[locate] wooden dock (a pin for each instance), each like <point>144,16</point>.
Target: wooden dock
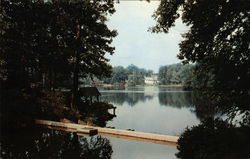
<point>126,134</point>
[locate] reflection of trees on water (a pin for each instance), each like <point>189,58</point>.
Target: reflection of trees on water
<point>132,98</point>
<point>214,104</point>
<point>205,106</point>
<point>53,144</point>
<point>176,99</point>
<point>217,137</point>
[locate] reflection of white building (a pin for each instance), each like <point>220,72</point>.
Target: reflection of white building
<point>153,80</point>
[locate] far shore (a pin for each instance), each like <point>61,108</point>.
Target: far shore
<point>115,85</point>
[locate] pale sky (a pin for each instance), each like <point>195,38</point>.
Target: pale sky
<point>135,45</point>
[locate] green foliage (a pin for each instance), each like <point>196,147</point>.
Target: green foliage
<point>214,139</point>
<point>224,130</point>
<point>119,74</point>
<point>218,38</point>
<point>132,74</point>
<point>49,44</point>
<point>44,41</point>
<point>96,113</point>
<point>176,74</point>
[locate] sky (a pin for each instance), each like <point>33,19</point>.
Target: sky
<point>135,44</point>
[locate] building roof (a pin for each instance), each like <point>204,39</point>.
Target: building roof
<point>89,91</point>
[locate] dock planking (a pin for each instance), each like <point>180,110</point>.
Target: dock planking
<point>126,134</point>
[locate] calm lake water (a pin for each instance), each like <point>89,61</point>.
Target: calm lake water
<point>163,110</point>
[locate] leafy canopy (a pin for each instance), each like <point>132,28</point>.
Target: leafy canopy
<point>218,38</point>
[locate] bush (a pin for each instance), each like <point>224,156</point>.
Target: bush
<point>214,139</point>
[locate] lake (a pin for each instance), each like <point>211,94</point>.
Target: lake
<point>163,110</point>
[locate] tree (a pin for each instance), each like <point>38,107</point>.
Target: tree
<point>89,38</point>
<point>218,38</point>
<point>162,74</point>
<point>132,73</point>
<point>52,41</point>
<point>176,74</point>
<point>119,74</point>
<point>45,44</point>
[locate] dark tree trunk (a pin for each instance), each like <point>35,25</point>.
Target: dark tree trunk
<point>75,95</point>
<point>54,80</point>
<point>50,78</point>
<point>43,79</point>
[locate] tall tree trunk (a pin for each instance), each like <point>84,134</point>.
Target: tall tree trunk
<point>44,79</point>
<point>50,78</point>
<point>54,80</point>
<point>75,95</point>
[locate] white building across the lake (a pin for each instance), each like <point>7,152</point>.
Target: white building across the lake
<point>153,80</point>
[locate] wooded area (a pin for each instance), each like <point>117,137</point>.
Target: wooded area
<point>132,74</point>
<point>217,41</point>
<point>47,45</point>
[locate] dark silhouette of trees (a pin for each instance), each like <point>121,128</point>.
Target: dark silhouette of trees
<point>43,143</point>
<point>218,43</point>
<point>47,45</point>
<point>218,38</point>
<point>214,138</point>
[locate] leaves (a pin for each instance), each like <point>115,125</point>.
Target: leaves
<point>218,38</point>
<point>42,40</point>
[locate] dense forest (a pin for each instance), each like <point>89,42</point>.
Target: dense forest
<point>176,74</point>
<point>46,45</point>
<point>188,75</point>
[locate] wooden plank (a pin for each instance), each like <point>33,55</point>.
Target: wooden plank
<point>86,130</point>
<point>68,127</point>
<point>139,139</point>
<point>142,135</point>
<point>124,133</point>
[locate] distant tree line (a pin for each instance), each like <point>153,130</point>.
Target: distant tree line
<point>185,75</point>
<point>132,74</point>
<point>190,76</point>
<point>175,74</point>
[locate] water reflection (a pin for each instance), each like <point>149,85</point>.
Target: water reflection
<point>152,109</point>
<point>168,96</point>
<point>132,98</point>
<point>127,149</point>
<point>53,144</point>
<point>224,130</point>
<point>176,99</point>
